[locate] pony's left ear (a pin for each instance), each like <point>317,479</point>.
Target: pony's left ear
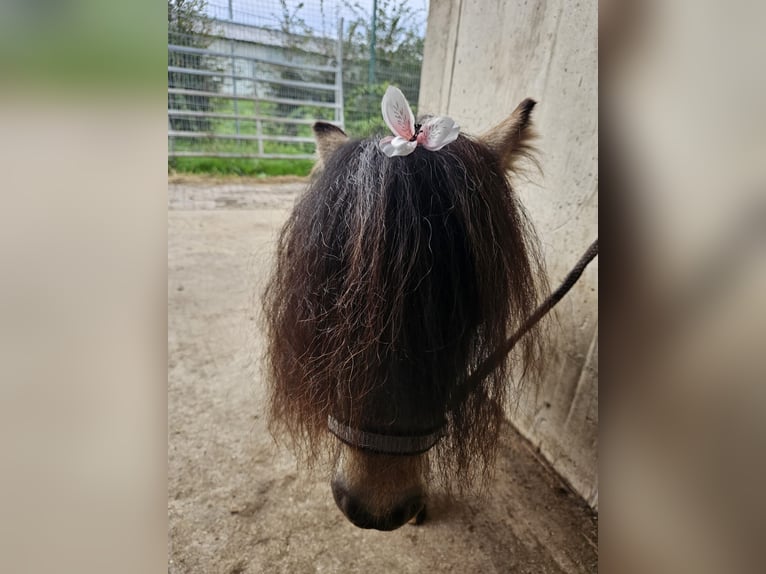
<point>510,139</point>
<point>329,138</point>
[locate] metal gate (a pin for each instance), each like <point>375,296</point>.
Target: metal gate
<point>250,92</point>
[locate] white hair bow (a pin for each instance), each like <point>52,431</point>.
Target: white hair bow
<point>433,135</point>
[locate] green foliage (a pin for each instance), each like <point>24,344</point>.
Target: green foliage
<point>292,22</point>
<point>362,105</point>
<point>396,34</point>
<point>188,25</point>
<point>398,61</point>
<point>188,17</point>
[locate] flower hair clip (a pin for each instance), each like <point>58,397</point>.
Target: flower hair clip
<point>433,134</point>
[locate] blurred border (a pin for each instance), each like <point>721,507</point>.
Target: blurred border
<point>684,250</point>
<point>82,294</point>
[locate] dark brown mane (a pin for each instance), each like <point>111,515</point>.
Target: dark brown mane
<point>394,278</point>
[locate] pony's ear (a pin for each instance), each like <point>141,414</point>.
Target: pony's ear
<point>329,138</point>
<point>510,139</point>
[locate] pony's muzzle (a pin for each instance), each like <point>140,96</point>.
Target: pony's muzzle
<point>359,515</point>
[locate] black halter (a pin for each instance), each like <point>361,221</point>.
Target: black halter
<point>418,444</point>
<point>383,443</point>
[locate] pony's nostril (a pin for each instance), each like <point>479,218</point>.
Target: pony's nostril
<point>398,516</point>
<point>408,511</point>
<point>340,495</point>
<point>419,516</point>
<point>351,507</point>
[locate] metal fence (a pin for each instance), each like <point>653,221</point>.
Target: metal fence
<point>248,80</point>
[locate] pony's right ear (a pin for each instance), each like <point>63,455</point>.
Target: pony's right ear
<point>510,139</point>
<point>329,138</point>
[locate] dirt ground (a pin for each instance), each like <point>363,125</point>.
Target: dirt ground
<point>238,503</point>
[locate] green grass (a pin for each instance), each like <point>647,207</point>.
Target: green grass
<point>241,166</point>
<point>247,126</point>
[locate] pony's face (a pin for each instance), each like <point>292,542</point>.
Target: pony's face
<point>395,278</point>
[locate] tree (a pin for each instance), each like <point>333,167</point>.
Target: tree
<point>398,61</point>
<point>188,25</point>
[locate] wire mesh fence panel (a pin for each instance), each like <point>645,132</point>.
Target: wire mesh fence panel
<point>248,79</point>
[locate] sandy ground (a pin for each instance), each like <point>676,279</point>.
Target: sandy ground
<point>238,503</point>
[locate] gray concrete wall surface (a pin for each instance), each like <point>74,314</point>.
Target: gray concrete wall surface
<point>481,59</point>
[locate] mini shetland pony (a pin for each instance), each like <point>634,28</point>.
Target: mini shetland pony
<point>395,277</point>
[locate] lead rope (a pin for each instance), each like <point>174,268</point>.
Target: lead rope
<point>400,445</point>
<point>498,356</point>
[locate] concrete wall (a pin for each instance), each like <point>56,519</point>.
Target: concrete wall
<point>481,59</point>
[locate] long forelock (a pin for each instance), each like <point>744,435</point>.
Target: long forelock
<point>426,260</point>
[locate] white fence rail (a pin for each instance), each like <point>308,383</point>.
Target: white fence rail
<point>241,98</point>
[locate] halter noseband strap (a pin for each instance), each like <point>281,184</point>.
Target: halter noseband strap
<point>383,443</point>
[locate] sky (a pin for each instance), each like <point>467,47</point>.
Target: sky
<point>320,15</point>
